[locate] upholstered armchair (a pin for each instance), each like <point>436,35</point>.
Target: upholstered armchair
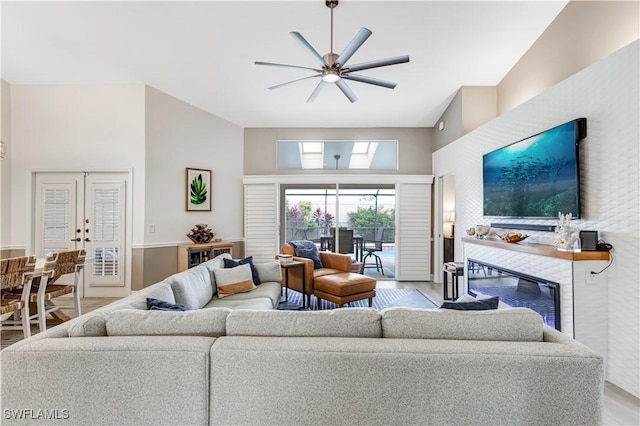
<point>332,263</point>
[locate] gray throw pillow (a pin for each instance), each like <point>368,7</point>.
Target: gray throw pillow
<point>475,305</point>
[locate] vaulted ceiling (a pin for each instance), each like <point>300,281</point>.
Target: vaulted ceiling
<point>203,52</point>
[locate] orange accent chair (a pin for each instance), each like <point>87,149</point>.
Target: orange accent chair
<point>333,263</point>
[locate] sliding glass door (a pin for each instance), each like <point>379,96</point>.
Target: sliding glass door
<point>365,213</point>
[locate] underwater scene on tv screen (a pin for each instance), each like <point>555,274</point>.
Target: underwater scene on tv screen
<point>535,177</point>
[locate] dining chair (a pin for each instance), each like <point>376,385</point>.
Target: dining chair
<point>16,276</point>
<point>56,266</point>
<point>45,288</point>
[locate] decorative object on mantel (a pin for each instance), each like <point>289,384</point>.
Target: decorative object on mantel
<point>482,231</point>
<point>200,234</point>
<point>513,237</point>
<point>567,233</point>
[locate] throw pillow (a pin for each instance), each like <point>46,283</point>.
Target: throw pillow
<point>308,250</point>
<point>255,276</point>
<point>233,280</point>
<point>161,305</point>
<point>476,305</point>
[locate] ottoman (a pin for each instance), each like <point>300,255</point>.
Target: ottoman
<point>344,288</point>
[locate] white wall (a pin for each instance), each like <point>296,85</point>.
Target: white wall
<point>607,94</point>
<point>74,128</point>
<point>179,135</point>
<point>5,166</point>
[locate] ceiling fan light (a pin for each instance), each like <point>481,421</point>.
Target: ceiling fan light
<point>330,77</point>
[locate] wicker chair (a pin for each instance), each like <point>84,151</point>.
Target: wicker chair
<point>56,265</point>
<point>16,275</point>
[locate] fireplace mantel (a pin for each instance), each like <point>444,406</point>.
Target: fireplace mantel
<point>581,276</point>
<point>540,249</point>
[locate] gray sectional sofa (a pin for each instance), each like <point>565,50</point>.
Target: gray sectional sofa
<point>240,361</point>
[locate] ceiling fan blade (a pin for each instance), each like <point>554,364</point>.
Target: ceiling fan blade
<point>354,45</point>
<point>271,64</point>
<point>346,90</point>
<point>370,80</point>
<point>376,64</point>
<point>305,44</point>
<point>315,92</point>
<point>292,81</point>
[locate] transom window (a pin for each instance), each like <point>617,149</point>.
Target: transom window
<point>337,155</point>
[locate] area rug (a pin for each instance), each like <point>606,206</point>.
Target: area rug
<point>385,298</point>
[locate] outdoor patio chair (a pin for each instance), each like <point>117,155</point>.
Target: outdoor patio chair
<point>371,247</point>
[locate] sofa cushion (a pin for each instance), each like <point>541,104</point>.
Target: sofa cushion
<point>215,263</point>
<point>517,324</point>
<point>134,322</point>
<point>233,280</point>
<point>308,250</point>
<point>270,290</point>
<point>93,324</point>
<point>269,271</point>
<point>353,322</point>
<point>263,303</point>
<point>192,288</point>
<point>232,263</point>
<point>162,305</point>
<point>162,291</point>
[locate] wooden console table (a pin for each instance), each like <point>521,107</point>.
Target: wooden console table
<point>190,255</point>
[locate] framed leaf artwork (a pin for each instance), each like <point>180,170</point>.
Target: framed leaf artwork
<point>198,190</point>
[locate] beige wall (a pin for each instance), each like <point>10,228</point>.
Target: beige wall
<point>471,107</point>
<point>414,146</point>
<point>583,33</point>
<point>452,119</point>
<point>179,135</point>
<point>479,106</point>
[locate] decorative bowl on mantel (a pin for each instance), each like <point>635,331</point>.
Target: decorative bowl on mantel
<point>513,237</point>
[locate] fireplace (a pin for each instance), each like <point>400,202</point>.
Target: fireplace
<point>516,289</point>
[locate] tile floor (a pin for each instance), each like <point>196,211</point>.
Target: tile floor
<point>620,408</point>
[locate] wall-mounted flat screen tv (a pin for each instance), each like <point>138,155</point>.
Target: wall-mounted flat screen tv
<point>536,177</point>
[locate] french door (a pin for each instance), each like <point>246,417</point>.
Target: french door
<point>85,210</point>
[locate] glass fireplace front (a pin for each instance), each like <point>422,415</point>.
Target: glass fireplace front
<point>516,289</point>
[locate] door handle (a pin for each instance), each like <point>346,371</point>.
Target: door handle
<point>87,240</point>
<point>77,240</point>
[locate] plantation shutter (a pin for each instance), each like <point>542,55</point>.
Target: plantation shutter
<point>261,221</point>
<point>57,217</point>
<point>413,239</point>
<point>107,204</point>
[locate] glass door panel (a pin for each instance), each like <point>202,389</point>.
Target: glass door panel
<point>314,212</point>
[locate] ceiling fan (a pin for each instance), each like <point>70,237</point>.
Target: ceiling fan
<point>333,69</point>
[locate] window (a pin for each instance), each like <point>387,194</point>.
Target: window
<point>339,155</point>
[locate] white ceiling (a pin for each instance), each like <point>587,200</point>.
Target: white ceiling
<point>203,52</point>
